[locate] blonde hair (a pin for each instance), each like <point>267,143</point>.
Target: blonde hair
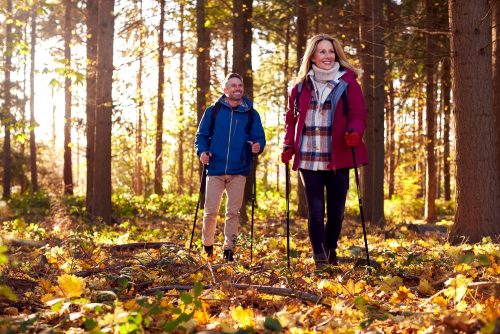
<point>340,56</point>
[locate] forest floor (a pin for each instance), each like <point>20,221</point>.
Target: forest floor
<point>137,276</point>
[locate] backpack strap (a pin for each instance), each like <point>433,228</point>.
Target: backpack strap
<point>251,115</point>
<point>213,115</point>
<point>297,98</point>
<point>345,104</point>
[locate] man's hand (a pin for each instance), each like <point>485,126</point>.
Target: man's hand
<point>205,157</point>
<point>287,154</point>
<point>352,139</point>
<point>255,148</point>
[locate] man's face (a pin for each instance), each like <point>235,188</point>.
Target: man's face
<point>234,89</point>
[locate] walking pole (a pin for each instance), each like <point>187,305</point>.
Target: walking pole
<point>254,194</point>
<point>202,179</point>
<point>287,192</point>
<point>360,201</point>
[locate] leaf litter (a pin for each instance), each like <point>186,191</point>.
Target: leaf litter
<point>139,277</point>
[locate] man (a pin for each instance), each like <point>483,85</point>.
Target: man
<point>230,132</point>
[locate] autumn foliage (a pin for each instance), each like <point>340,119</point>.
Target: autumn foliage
<point>61,274</point>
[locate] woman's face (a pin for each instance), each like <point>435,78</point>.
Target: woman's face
<point>324,55</point>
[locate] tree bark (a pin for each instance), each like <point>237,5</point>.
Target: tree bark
<point>242,64</point>
<point>202,69</point>
<point>158,184</point>
<point>377,158</point>
<point>180,139</point>
<point>367,84</point>
<point>496,73</point>
<point>391,145</point>
<point>7,105</point>
<point>102,163</point>
<point>68,168</point>
<point>302,33</point>
<point>138,173</point>
<point>446,88</point>
<point>430,173</point>
<point>477,179</point>
<point>92,31</point>
<point>33,159</point>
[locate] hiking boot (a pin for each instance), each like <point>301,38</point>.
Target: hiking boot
<point>320,260</point>
<point>228,255</point>
<point>209,250</point>
<point>332,257</point>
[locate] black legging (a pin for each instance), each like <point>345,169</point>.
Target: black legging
<point>324,237</point>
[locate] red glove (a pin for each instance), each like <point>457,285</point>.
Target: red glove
<point>287,154</point>
<point>352,139</point>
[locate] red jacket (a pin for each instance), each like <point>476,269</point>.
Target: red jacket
<point>341,156</point>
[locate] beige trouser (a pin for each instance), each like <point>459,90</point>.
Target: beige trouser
<point>234,185</point>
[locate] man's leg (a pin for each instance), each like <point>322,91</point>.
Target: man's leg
<point>213,198</point>
<point>235,187</point>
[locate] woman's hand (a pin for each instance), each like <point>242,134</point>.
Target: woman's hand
<point>287,154</point>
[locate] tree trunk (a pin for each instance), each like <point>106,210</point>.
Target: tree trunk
<point>242,64</point>
<point>446,89</point>
<point>7,105</point>
<point>158,185</point>
<point>378,115</point>
<point>68,169</point>
<point>477,179</point>
<point>367,84</point>
<point>286,76</point>
<point>92,31</point>
<point>302,29</point>
<point>496,73</point>
<point>54,109</point>
<point>138,174</point>
<point>419,143</point>
<point>302,33</point>
<point>430,173</point>
<point>102,163</point>
<point>202,68</point>
<point>391,145</point>
<point>202,61</point>
<point>33,160</point>
<point>180,139</point>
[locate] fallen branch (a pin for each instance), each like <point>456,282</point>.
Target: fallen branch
<point>141,245</point>
<point>270,290</point>
<point>473,284</point>
<point>16,242</point>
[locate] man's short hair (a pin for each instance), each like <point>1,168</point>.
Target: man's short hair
<point>230,76</point>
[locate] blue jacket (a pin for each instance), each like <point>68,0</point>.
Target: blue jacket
<point>230,151</point>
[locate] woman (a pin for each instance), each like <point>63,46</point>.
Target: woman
<point>326,119</point>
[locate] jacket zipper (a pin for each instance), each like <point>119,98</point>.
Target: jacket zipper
<point>229,141</point>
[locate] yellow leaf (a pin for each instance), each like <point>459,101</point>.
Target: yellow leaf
<point>440,301</point>
<point>46,297</point>
<point>425,288</point>
<point>402,295</point>
<point>45,284</point>
<point>355,288</point>
<point>494,269</point>
<point>72,286</point>
<point>457,287</point>
<point>492,309</point>
<point>391,283</point>
<point>130,304</point>
<point>243,317</point>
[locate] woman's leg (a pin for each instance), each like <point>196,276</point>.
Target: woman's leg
<point>314,188</point>
<point>337,186</point>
